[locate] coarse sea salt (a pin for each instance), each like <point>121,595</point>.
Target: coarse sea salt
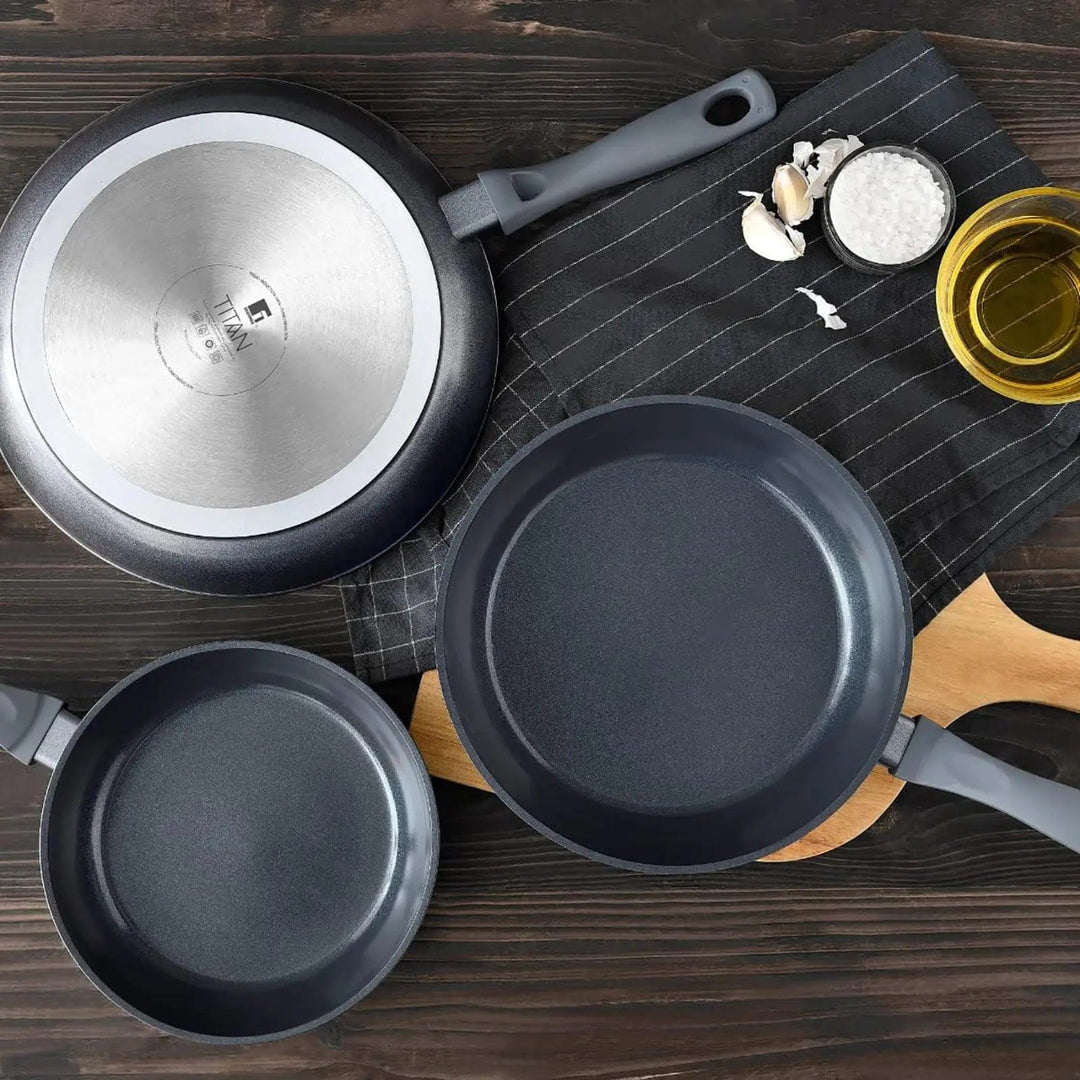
<point>886,208</point>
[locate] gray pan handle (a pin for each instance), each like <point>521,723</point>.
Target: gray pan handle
<point>669,136</point>
<point>34,727</point>
<point>937,758</point>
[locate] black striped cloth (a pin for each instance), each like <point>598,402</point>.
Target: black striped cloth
<point>653,291</point>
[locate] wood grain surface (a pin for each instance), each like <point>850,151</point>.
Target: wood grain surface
<point>943,942</point>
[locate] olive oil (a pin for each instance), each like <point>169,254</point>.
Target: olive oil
<point>1009,295</point>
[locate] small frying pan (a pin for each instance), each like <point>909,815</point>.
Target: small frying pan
<point>674,635</point>
<point>238,841</point>
<point>246,339</point>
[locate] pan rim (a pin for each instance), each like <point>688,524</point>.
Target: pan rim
<point>459,540</point>
<point>423,895</point>
<point>411,484</point>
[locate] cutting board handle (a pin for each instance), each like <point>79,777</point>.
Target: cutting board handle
<point>974,653</point>
<point>433,732</point>
<point>977,652</point>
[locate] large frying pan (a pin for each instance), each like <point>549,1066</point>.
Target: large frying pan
<point>674,635</point>
<point>238,841</point>
<point>243,348</point>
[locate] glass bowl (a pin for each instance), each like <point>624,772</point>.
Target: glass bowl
<point>1008,295</point>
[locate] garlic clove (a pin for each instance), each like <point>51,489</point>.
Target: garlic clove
<point>826,310</point>
<point>790,193</point>
<point>766,235</point>
<point>829,154</point>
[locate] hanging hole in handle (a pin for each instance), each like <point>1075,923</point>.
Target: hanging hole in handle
<point>727,109</point>
<point>527,185</point>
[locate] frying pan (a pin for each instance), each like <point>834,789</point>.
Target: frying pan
<point>237,842</point>
<point>674,635</point>
<point>244,348</point>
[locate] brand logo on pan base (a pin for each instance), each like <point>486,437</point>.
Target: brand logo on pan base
<point>220,329</point>
<point>229,320</point>
<point>258,311</point>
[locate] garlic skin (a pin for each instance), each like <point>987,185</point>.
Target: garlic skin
<point>766,235</point>
<point>829,154</point>
<point>826,310</point>
<point>800,154</point>
<point>797,239</point>
<point>790,192</point>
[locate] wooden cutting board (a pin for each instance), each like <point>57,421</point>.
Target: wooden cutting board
<point>975,652</point>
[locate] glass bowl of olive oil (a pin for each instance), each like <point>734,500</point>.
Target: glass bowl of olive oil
<point>1008,295</point>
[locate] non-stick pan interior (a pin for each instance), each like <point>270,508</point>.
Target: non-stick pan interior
<point>240,843</point>
<point>674,634</point>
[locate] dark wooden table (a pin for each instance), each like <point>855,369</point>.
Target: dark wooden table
<point>943,943</point>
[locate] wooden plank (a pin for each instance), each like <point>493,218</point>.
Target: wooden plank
<point>941,943</point>
<point>73,626</point>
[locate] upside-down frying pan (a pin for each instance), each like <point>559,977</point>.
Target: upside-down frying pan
<point>674,634</point>
<point>246,339</point>
<point>238,841</point>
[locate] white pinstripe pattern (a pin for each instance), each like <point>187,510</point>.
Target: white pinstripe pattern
<point>408,608</point>
<point>529,367</point>
<point>580,221</point>
<point>727,176</point>
<point>503,434</point>
<point>821,352</point>
<point>381,652</point>
<point>982,461</point>
<point>375,619</point>
<point>393,579</point>
<point>996,172</point>
<point>937,446</point>
<point>1070,464</point>
<point>898,386</point>
<point>868,364</point>
<point>482,457</point>
<point>629,273</point>
<point>481,460</point>
<point>761,348</point>
<point>690,311</point>
<point>985,138</point>
<point>532,409</point>
<point>948,119</point>
<point>719,333</point>
<point>780,337</point>
<point>937,558</point>
<point>911,420</point>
